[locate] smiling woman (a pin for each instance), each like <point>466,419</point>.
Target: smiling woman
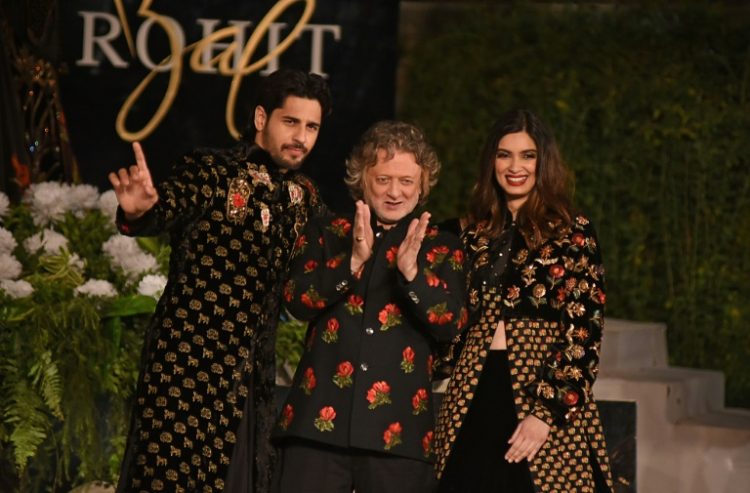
<point>518,414</point>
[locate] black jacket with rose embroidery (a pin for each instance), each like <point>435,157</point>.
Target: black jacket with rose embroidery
<point>364,380</point>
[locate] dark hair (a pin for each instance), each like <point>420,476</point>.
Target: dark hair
<point>391,136</point>
<point>548,207</point>
<point>273,90</point>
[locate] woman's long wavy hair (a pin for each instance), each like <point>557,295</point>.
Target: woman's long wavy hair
<point>548,207</point>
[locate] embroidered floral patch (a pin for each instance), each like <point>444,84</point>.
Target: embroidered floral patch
<point>343,376</point>
<point>324,421</point>
<point>392,435</point>
<point>237,198</point>
<point>379,394</point>
<point>407,360</point>
<point>390,316</point>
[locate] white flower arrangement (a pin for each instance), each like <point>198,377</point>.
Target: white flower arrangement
<point>152,285</point>
<point>75,301</point>
<point>96,287</point>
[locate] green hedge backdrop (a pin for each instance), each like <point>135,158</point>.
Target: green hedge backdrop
<point>650,107</point>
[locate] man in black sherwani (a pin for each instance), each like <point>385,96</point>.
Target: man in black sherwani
<point>204,403</point>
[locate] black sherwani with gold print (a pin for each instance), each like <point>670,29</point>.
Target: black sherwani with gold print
<point>552,302</point>
<point>208,359</point>
<point>364,378</point>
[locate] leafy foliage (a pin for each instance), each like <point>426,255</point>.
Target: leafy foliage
<point>650,108</point>
<point>69,361</point>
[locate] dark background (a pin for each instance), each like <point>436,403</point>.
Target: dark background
<point>361,68</point>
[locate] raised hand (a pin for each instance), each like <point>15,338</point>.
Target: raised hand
<point>364,238</point>
<point>133,186</point>
<point>409,248</point>
<point>530,435</point>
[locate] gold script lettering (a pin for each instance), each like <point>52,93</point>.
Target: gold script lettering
<point>223,59</point>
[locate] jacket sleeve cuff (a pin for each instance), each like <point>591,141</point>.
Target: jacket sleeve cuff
<point>146,225</point>
<point>542,412</point>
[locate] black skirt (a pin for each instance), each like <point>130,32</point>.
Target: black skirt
<point>477,462</point>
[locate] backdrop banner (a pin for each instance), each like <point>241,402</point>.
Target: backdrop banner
<point>179,75</point>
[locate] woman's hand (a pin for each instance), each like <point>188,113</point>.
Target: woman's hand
<point>530,435</point>
<point>409,248</point>
<point>364,238</point>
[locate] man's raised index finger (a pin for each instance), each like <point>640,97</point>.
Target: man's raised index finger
<point>140,158</point>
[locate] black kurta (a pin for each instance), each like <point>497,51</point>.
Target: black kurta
<point>364,379</point>
<point>208,360</point>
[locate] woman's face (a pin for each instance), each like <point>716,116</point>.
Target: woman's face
<point>515,167</point>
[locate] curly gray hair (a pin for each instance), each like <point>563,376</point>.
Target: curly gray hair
<point>392,137</point>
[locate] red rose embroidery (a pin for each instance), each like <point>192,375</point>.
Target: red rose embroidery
<point>391,256</point>
<point>431,279</point>
<point>354,304</point>
<point>427,443</point>
<point>340,227</point>
<point>439,314</point>
<point>324,421</point>
<point>392,435</point>
<point>308,381</point>
<point>287,415</point>
<point>331,333</point>
<point>238,200</point>
<point>312,299</point>
<point>301,242</point>
<point>389,316</point>
<point>288,292</point>
<point>343,376</point>
<point>578,239</point>
<point>457,260</point>
<point>556,271</point>
<point>379,394</point>
<point>419,402</point>
<point>335,261</point>
<point>407,361</point>
<point>437,255</point>
<point>570,398</point>
<point>310,266</point>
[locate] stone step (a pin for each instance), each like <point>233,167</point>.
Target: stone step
<point>628,344</point>
<point>682,392</point>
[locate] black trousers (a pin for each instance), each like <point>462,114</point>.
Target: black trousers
<point>477,462</point>
<point>311,467</point>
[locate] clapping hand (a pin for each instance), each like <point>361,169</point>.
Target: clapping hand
<point>364,239</point>
<point>409,248</point>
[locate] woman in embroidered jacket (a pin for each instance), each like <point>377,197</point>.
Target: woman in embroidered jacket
<point>379,290</point>
<point>518,414</point>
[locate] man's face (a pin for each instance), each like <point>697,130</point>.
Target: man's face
<point>392,187</point>
<point>290,132</point>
